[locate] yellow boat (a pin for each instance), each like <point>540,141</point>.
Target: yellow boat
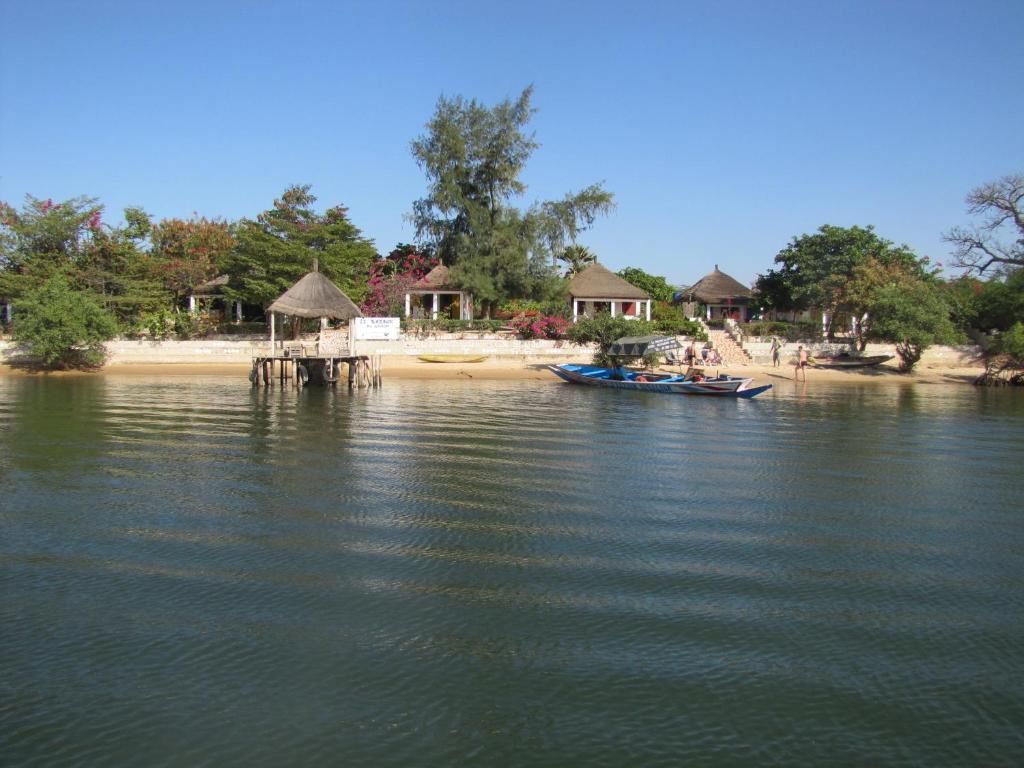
<point>453,358</point>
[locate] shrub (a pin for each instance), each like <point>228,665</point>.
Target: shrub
<point>603,329</point>
<point>672,321</point>
<point>537,326</point>
<point>63,328</point>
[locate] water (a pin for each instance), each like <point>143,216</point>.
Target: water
<point>508,573</point>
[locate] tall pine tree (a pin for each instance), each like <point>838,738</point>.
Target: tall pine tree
<point>279,246</point>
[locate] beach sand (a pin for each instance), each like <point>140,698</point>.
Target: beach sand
<point>504,369</point>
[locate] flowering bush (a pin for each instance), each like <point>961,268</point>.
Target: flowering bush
<point>533,325</point>
<point>390,279</point>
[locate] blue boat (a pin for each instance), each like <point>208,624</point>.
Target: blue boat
<point>680,384</point>
<point>693,382</point>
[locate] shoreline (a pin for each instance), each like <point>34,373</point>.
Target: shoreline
<point>512,369</point>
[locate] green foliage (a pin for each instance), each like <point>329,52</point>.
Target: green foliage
<point>70,238</point>
<point>62,327</point>
<point>277,248</point>
<point>1011,343</point>
<point>473,157</point>
<point>913,317</point>
<point>188,253</point>
<point>43,239</point>
<point>654,285</point>
<point>603,330</point>
<point>837,268</point>
<point>671,320</point>
<point>576,258</point>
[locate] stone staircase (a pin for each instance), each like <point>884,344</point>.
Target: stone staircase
<point>732,353</point>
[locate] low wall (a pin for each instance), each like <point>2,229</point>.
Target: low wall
<point>959,356</point>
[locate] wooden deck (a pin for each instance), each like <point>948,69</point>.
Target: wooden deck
<point>304,368</point>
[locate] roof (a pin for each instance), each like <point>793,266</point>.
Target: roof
<point>638,346</point>
<point>597,282</point>
<point>211,287</point>
<point>316,296</point>
<point>435,280</point>
<point>717,286</point>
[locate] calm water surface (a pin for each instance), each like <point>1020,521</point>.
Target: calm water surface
<point>508,573</point>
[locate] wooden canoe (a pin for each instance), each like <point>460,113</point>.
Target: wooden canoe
<point>452,358</point>
<point>848,361</point>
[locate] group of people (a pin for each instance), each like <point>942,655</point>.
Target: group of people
<point>707,355</point>
<point>802,358</point>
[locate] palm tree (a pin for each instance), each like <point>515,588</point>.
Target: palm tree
<point>577,258</point>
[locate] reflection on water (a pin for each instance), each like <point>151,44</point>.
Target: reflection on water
<point>195,572</point>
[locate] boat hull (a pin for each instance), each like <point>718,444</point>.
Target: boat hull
<point>452,358</point>
<point>669,385</point>
<point>849,362</point>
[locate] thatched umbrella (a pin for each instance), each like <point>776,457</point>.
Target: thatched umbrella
<point>313,296</point>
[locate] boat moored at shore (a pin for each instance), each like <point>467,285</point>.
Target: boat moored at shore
<point>689,383</point>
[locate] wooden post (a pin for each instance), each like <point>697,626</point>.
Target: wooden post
<point>271,333</point>
<point>351,372</point>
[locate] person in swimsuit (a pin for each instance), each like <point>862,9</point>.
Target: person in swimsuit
<point>801,362</point>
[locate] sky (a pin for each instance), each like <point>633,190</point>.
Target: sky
<point>724,129</point>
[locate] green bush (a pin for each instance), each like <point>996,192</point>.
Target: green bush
<point>603,329</point>
<point>670,320</point>
<point>61,327</point>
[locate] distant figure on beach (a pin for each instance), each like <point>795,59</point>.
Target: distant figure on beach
<point>776,352</point>
<point>695,358</point>
<point>801,362</point>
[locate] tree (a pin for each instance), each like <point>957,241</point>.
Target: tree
<point>44,238</point>
<point>655,285</point>
<point>117,270</point>
<point>831,270</point>
<point>279,246</point>
<point>576,258</point>
<point>914,317</point>
<point>473,157</point>
<point>978,248</point>
<point>188,253</point>
<point>62,327</point>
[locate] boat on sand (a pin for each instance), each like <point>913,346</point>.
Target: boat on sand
<point>843,361</point>
<point>452,358</point>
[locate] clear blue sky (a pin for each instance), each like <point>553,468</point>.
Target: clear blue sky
<point>723,128</point>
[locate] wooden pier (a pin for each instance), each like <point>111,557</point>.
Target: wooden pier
<point>323,370</point>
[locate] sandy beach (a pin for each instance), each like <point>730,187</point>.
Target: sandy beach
<point>504,369</point>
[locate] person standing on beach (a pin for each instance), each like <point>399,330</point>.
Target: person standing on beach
<point>801,363</point>
<point>776,352</point>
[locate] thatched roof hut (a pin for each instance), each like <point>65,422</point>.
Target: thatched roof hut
<point>437,279</point>
<point>598,289</point>
<point>597,282</point>
<point>433,295</point>
<point>719,288</point>
<point>315,296</point>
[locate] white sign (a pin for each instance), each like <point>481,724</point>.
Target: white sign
<point>377,328</point>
